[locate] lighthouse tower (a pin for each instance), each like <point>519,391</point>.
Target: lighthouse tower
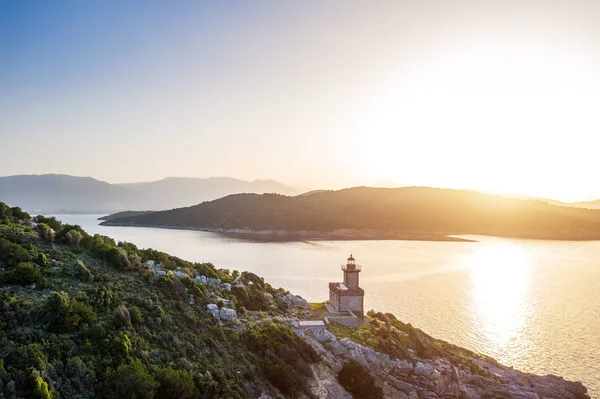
<point>347,296</point>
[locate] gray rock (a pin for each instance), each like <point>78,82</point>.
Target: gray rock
<point>227,286</point>
<point>323,335</point>
<point>357,355</point>
<point>423,369</point>
<point>228,314</point>
<point>200,280</point>
<point>336,348</point>
<point>296,300</point>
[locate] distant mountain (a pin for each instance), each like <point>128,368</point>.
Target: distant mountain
<point>363,212</point>
<point>63,193</point>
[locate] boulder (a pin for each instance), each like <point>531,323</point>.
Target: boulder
<point>226,286</point>
<point>423,369</point>
<point>336,348</point>
<point>357,355</point>
<point>228,314</point>
<point>296,300</point>
<point>213,309</point>
<point>200,279</point>
<point>323,335</point>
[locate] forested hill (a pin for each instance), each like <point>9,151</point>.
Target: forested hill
<point>363,212</point>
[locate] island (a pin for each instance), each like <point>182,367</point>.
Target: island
<point>407,213</point>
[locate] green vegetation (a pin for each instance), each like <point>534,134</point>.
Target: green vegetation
<point>409,213</point>
<point>356,380</point>
<point>82,317</point>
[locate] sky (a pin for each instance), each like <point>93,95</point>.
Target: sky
<point>496,96</point>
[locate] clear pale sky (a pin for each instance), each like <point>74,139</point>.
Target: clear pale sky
<point>498,96</point>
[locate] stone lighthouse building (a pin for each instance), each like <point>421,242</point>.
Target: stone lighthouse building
<point>347,296</point>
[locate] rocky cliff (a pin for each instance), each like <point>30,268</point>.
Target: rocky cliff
<point>431,378</point>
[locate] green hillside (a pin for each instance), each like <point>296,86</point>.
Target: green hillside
<point>80,316</point>
<point>384,212</point>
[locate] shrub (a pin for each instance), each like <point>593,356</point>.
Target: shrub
<point>130,381</point>
<point>45,232</point>
<point>176,384</point>
<point>11,253</point>
<point>136,316</point>
<point>53,222</point>
<point>68,315</point>
<point>117,258</point>
<point>40,389</point>
<point>122,317</point>
<point>356,380</point>
<point>285,358</point>
<point>74,238</point>
<point>26,273</point>
<point>83,272</point>
<point>41,259</point>
<point>18,213</point>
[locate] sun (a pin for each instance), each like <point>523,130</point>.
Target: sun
<point>505,115</point>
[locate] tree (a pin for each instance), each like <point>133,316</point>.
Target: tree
<point>18,213</point>
<point>26,273</point>
<point>130,381</point>
<point>40,389</point>
<point>45,232</point>
<point>11,253</point>
<point>74,237</point>
<point>176,384</point>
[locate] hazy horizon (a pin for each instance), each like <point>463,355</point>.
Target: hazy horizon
<point>496,97</point>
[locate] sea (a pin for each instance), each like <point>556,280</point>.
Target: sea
<point>531,304</point>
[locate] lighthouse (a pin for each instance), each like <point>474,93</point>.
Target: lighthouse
<point>347,296</point>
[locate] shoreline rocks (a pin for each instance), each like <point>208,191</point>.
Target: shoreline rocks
<point>439,378</point>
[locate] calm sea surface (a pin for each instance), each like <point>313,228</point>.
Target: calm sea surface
<point>531,304</point>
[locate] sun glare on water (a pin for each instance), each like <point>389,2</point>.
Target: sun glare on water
<point>500,280</point>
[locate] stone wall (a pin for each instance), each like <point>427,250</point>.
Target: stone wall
<point>351,279</point>
<point>351,302</point>
<point>348,321</point>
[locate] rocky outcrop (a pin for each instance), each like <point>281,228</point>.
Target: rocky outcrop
<point>439,378</point>
<point>295,300</point>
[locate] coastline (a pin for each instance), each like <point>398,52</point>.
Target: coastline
<point>306,235</point>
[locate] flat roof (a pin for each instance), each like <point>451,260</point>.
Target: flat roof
<point>311,323</point>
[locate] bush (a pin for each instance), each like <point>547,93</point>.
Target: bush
<point>122,317</point>
<point>74,238</point>
<point>11,253</point>
<point>40,389</point>
<point>285,358</point>
<point>68,315</point>
<point>83,272</point>
<point>45,232</point>
<point>176,384</point>
<point>41,259</point>
<point>356,380</point>
<point>53,222</point>
<point>136,316</point>
<point>26,273</point>
<point>117,258</point>
<point>130,381</point>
